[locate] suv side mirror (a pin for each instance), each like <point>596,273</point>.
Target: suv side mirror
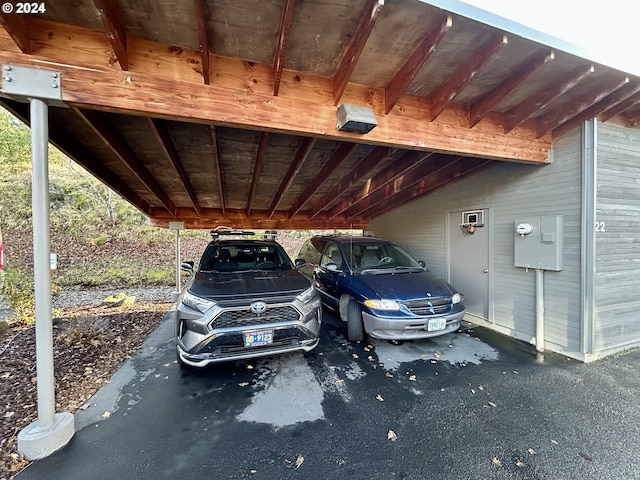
<point>300,262</point>
<point>332,267</point>
<point>187,267</point>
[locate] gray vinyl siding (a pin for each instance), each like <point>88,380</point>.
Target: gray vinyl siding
<point>617,276</point>
<point>510,191</point>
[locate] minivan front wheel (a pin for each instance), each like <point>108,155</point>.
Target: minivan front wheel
<point>355,327</point>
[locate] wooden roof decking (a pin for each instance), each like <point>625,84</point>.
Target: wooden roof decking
<point>224,112</point>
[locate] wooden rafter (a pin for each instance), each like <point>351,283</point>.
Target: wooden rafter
<point>262,149</point>
<point>446,93</point>
<point>114,28</point>
<point>393,171</point>
<point>306,145</point>
<point>217,164</point>
<point>412,66</point>
<point>58,136</point>
<point>455,170</point>
<point>203,41</point>
<point>118,146</point>
<point>344,151</point>
<point>610,101</point>
<point>351,56</point>
<point>549,121</point>
<point>411,176</point>
<point>620,107</point>
<point>356,174</point>
<point>17,27</point>
<point>160,131</point>
<point>481,108</point>
<point>537,101</point>
<point>283,40</point>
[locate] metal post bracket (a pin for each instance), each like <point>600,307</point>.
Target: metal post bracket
<point>23,83</point>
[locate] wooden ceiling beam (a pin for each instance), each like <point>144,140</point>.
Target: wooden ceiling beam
<point>164,138</point>
<point>556,117</point>
<point>344,151</point>
<point>411,176</point>
<point>113,140</point>
<point>306,110</point>
<point>203,40</point>
<point>306,145</point>
<point>371,185</point>
<point>262,148</point>
<point>17,26</point>
<point>114,28</point>
<point>439,100</point>
<point>283,41</point>
<point>259,219</point>
<point>360,171</point>
<point>456,170</point>
<point>628,90</point>
<point>414,63</point>
<point>217,163</point>
<point>482,107</point>
<point>356,46</point>
<point>537,101</point>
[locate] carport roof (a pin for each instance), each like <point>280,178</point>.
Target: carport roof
<point>220,112</point>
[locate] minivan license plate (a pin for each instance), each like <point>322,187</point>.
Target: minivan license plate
<point>437,324</point>
<point>257,339</point>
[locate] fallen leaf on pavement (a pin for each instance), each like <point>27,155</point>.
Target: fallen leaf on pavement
<point>391,435</point>
<point>299,461</point>
<point>379,397</point>
<point>106,414</point>
<point>532,451</point>
<point>412,378</point>
<point>520,463</point>
<point>496,462</point>
<point>585,456</point>
<point>243,384</point>
<point>389,374</point>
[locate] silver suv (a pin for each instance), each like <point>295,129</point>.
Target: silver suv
<point>246,299</point>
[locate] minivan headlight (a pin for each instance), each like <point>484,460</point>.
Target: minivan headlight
<point>457,298</point>
<point>307,295</point>
<point>197,303</point>
<point>388,305</point>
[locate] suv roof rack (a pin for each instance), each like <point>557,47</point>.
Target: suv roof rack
<point>228,231</point>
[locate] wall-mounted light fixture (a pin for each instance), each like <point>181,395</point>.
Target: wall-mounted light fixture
<point>355,119</point>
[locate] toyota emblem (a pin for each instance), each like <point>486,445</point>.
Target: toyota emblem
<point>258,307</point>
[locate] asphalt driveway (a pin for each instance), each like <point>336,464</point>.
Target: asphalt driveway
<point>471,405</point>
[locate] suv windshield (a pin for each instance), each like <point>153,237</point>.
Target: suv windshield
<point>372,256</point>
<point>237,257</point>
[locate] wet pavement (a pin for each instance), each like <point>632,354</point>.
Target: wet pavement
<point>470,405</point>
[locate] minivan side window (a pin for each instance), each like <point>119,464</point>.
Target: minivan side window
<point>331,255</point>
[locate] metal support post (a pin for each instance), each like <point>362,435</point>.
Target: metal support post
<point>50,431</point>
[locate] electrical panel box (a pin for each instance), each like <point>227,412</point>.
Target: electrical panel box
<point>539,243</point>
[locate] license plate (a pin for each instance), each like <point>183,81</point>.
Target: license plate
<point>257,339</point>
<point>437,324</point>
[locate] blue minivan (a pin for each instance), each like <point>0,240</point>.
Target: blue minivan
<point>379,290</point>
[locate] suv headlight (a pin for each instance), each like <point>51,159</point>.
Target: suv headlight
<point>307,295</point>
<point>388,305</point>
<point>197,303</point>
<point>456,298</point>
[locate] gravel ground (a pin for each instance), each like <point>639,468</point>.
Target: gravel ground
<point>76,296</point>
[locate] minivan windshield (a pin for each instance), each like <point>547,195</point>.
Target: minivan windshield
<point>373,256</point>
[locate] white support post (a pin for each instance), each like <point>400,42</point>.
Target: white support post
<point>50,431</point>
<point>176,227</point>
